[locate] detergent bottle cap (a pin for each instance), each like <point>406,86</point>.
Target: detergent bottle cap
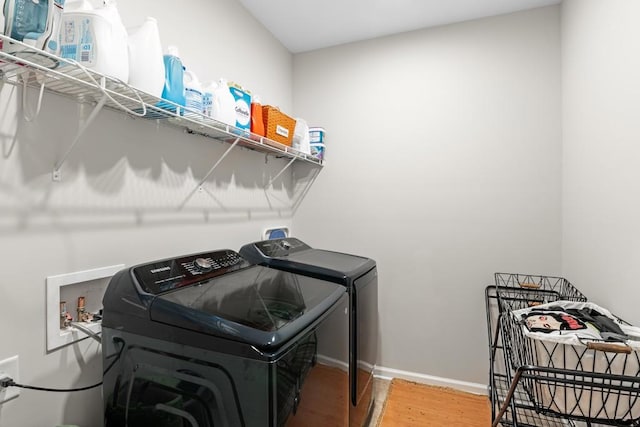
<point>77,5</point>
<point>173,51</point>
<point>210,86</point>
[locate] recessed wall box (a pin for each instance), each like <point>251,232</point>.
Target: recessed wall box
<point>87,286</point>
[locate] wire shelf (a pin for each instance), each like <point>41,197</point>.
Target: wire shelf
<point>24,65</point>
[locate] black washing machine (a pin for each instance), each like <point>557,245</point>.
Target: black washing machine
<point>360,278</point>
<point>211,340</point>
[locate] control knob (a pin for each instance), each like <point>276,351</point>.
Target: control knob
<point>202,264</point>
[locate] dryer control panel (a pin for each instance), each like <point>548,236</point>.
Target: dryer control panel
<point>169,274</point>
<point>281,247</point>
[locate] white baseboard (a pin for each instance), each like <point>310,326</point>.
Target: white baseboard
<point>390,373</point>
<point>335,363</point>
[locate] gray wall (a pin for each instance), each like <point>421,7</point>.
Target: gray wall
<point>601,130</point>
<point>503,144</point>
<point>444,165</point>
<point>119,196</point>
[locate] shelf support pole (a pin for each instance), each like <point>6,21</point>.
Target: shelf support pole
<point>213,168</point>
<point>83,128</point>
<point>293,159</point>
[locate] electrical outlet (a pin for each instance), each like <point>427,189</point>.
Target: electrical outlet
<point>9,369</point>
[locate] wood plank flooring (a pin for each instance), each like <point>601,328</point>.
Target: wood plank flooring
<point>410,404</point>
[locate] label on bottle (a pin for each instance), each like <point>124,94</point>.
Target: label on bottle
<point>193,100</point>
<point>242,107</point>
<point>243,114</point>
<point>207,104</point>
<point>77,40</point>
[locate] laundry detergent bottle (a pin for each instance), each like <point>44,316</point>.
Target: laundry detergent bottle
<point>173,79</point>
<point>95,38</point>
<point>52,45</point>
<point>224,104</point>
<point>146,66</point>
<point>257,124</point>
<point>192,94</point>
<point>207,98</point>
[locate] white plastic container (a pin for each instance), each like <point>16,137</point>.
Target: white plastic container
<point>192,93</point>
<point>301,139</point>
<point>78,5</point>
<point>208,92</point>
<point>317,135</point>
<point>317,150</point>
<point>95,38</point>
<point>224,104</point>
<point>146,66</point>
<point>51,43</point>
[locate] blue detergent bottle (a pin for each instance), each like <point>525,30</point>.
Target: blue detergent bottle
<point>174,80</point>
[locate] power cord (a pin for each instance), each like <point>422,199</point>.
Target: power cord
<point>8,382</point>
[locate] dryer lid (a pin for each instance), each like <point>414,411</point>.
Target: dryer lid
<point>293,255</point>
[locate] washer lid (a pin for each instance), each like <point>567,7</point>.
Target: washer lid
<point>291,254</point>
<point>256,305</point>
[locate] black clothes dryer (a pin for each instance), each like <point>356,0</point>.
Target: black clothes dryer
<point>360,278</point>
<point>210,340</point>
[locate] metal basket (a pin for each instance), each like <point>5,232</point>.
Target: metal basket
<point>543,383</point>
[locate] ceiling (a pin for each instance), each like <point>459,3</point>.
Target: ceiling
<point>303,25</point>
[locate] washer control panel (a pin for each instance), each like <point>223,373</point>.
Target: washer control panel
<point>169,274</point>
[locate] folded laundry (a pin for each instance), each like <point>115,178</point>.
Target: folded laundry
<point>591,322</point>
<point>578,347</point>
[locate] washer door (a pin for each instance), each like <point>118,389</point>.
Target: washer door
<point>150,395</point>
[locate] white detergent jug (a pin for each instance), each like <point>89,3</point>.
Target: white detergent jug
<point>51,43</point>
<point>224,104</point>
<point>208,92</point>
<point>192,94</point>
<point>146,66</point>
<point>301,138</point>
<point>95,38</point>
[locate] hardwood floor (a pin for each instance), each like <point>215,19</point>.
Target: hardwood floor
<point>398,403</point>
<point>410,404</point>
<point>320,405</point>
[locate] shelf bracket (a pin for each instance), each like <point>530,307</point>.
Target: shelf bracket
<point>304,191</point>
<point>213,168</point>
<point>280,173</point>
<point>56,168</point>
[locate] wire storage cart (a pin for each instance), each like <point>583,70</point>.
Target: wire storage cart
<point>541,383</point>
